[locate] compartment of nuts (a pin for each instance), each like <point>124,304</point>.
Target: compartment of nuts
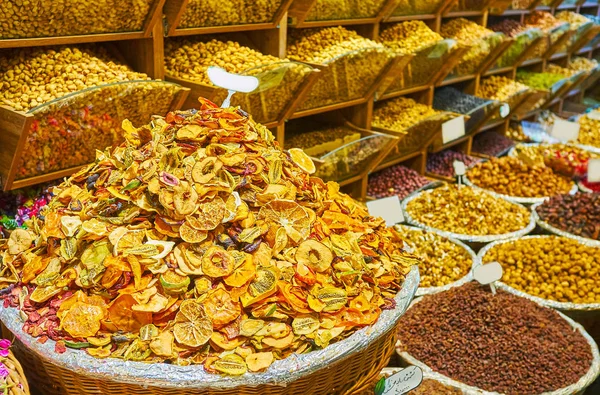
<point>76,110</point>
<point>418,7</point>
<point>576,216</point>
<point>552,27</point>
<point>212,13</point>
<point>431,55</point>
<point>524,36</point>
<point>28,19</point>
<point>482,43</point>
<point>415,124</point>
<point>281,81</point>
<point>479,111</point>
<point>551,268</point>
<point>351,65</point>
<point>440,164</point>
<point>327,10</point>
<point>518,181</point>
<point>467,214</point>
<point>397,180</point>
<point>504,90</point>
<point>445,262</point>
<point>589,131</point>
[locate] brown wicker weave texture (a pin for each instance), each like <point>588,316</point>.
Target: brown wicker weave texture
<point>354,375</point>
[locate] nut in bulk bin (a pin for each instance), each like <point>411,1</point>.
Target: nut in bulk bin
<point>76,125</point>
<point>419,7</point>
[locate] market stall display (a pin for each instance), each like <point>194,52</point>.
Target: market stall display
<point>555,30</point>
<point>467,214</point>
<point>281,81</point>
<point>503,327</point>
<point>505,90</point>
<point>195,275</point>
<point>75,107</point>
<point>518,181</point>
<point>351,65</point>
<point>445,262</point>
<point>490,143</point>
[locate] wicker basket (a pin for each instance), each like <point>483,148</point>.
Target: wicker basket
<point>15,383</point>
<point>349,366</point>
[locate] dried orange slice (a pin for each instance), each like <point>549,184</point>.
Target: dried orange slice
<point>290,215</point>
<point>19,241</point>
<point>82,320</point>
<point>303,161</point>
<point>192,326</point>
<point>217,262</point>
<point>190,234</point>
<point>231,364</point>
<point>121,314</point>
<point>220,308</point>
<point>315,255</point>
<point>259,361</point>
<point>242,274</point>
<point>209,215</point>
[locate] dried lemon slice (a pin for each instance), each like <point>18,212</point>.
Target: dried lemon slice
<point>303,161</point>
<point>190,234</point>
<point>220,308</point>
<point>315,255</point>
<point>290,215</point>
<point>192,326</point>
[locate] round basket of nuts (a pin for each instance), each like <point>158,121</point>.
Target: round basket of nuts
<point>446,262</point>
<point>467,214</point>
<point>554,271</point>
<point>449,334</point>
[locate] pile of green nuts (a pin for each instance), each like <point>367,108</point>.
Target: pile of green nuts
<point>409,37</point>
<point>542,81</point>
<point>512,177</point>
<point>499,88</point>
<point>201,13</point>
<point>551,267</point>
<point>467,211</point>
<point>443,262</point>
<point>400,114</point>
<point>23,18</point>
<point>353,63</point>
<point>189,59</point>
<point>30,77</point>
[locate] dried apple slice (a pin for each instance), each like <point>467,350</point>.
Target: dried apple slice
<point>217,262</point>
<point>315,255</point>
<point>259,361</point>
<point>220,308</point>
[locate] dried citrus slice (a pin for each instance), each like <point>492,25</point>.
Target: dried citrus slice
<point>20,240</point>
<point>217,262</point>
<point>147,332</point>
<point>242,274</point>
<point>315,255</point>
<point>305,324</point>
<point>209,215</point>
<point>192,326</point>
<point>290,215</point>
<point>190,234</point>
<point>303,161</point>
<point>259,361</point>
<point>220,308</point>
<point>231,364</point>
<point>82,320</point>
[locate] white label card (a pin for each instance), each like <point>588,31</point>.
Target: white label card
<point>504,110</point>
<point>565,130</point>
<point>595,115</point>
<point>593,173</point>
<point>388,208</point>
<point>488,273</point>
<point>459,168</point>
<point>453,129</point>
<point>400,383</point>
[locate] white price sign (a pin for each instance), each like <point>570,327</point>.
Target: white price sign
<point>504,110</point>
<point>400,383</point>
<point>459,168</point>
<point>593,173</point>
<point>388,208</point>
<point>565,130</point>
<point>453,129</point>
<point>488,274</point>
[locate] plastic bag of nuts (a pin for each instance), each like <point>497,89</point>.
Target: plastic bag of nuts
<point>449,334</point>
<point>350,63</point>
<point>48,18</point>
<point>467,214</point>
<point>445,262</point>
<point>202,13</point>
<point>514,179</point>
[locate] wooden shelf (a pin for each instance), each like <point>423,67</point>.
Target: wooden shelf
<point>457,79</point>
<point>403,18</point>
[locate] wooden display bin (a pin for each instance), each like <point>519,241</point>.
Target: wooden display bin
<point>57,138</point>
<point>282,87</point>
<point>355,160</point>
<point>584,38</point>
<point>484,55</point>
<point>405,9</point>
<point>94,23</point>
<point>319,13</point>
<point>189,17</point>
<point>425,68</point>
<point>415,138</point>
<point>348,80</point>
<point>517,52</point>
